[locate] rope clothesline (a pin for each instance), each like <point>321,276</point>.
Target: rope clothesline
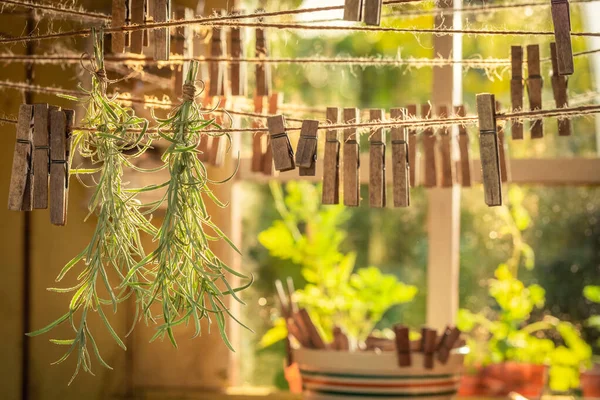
<point>133,60</point>
<point>58,9</point>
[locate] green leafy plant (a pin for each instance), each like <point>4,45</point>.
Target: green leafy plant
<point>183,274</point>
<point>309,235</point>
<point>114,136</point>
<point>592,293</point>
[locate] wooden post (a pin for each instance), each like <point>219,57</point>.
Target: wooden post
<point>444,203</point>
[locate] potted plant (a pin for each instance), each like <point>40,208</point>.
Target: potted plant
<point>590,379</point>
<point>510,353</point>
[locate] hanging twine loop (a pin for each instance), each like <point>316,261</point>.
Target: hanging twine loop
<point>189,92</point>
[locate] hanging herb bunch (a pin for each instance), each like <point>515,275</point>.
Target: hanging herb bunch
<point>111,138</point>
<point>183,274</point>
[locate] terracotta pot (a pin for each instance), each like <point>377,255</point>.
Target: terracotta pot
<point>501,379</point>
<point>293,378</point>
<point>590,382</point>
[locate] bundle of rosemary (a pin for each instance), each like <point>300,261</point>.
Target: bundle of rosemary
<point>183,274</point>
<point>112,138</point>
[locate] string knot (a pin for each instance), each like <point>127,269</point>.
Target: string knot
<point>101,74</point>
<point>189,92</point>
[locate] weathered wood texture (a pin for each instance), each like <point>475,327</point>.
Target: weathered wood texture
<point>58,167</point>
<point>377,183</point>
<point>414,158</point>
<point>488,147</point>
<point>331,160</point>
<point>429,143</point>
<point>561,17</point>
<point>464,148</point>
<point>263,70</point>
<point>373,12</point>
<point>274,100</point>
<point>535,83</point>
<point>119,13</point>
<point>137,18</point>
<point>516,89</point>
<point>446,162</point>
<point>353,10</point>
<point>20,176</point>
<point>161,10</point>
<point>283,154</point>
<point>257,138</point>
<point>238,70</point>
<point>217,69</point>
<point>351,161</point>
<point>306,150</point>
<point>41,155</point>
<point>504,158</point>
<point>400,165</point>
<point>559,89</point>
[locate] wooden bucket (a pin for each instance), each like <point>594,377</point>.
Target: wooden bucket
<point>338,375</point>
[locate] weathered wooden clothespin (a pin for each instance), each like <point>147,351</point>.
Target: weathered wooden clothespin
<point>58,167</point>
<point>400,160</point>
<point>403,345</point>
<point>373,12</point>
<point>331,160</point>
<point>505,171</point>
<point>182,45</point>
<point>216,155</point>
<point>283,154</point>
<point>463,144</point>
<point>217,71</point>
<point>414,158</point>
<point>353,10</point>
<point>561,16</point>
<point>41,155</point>
<point>119,17</point>
<point>238,72</point>
<point>377,183</point>
<point>306,151</point>
<point>263,70</point>
<point>559,89</point>
<point>351,160</point>
<point>147,19</point>
<point>535,83</point>
<point>446,343</point>
<point>138,13</point>
<point>161,10</point>
<point>257,147</point>
<point>20,194</point>
<point>274,100</point>
<point>488,146</point>
<point>429,346</point>
<point>446,161</point>
<point>429,143</point>
<point>516,89</point>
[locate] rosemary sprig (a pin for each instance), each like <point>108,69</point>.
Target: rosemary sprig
<point>115,244</point>
<point>183,273</point>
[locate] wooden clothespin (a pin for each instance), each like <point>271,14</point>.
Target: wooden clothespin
<point>561,17</point>
<point>400,160</point>
<point>274,100</point>
<point>463,144</point>
<point>58,167</point>
<point>353,10</point>
<point>331,160</point>
<point>147,19</point>
<point>516,89</point>
<point>257,148</point>
<point>217,71</point>
<point>306,151</point>
<point>488,146</point>
<point>505,171</point>
<point>119,17</point>
<point>373,12</point>
<point>340,340</point>
<point>216,155</point>
<point>41,154</point>
<point>429,346</point>
<point>138,13</point>
<point>535,83</point>
<point>377,183</point>
<point>559,89</point>
<point>161,10</point>
<point>238,72</point>
<point>403,345</point>
<point>315,337</point>
<point>283,154</point>
<point>351,159</point>
<point>182,45</point>
<point>413,156</point>
<point>446,343</point>
<point>263,70</point>
<point>429,141</point>
<point>446,161</point>
<point>373,343</point>
<point>20,194</point>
